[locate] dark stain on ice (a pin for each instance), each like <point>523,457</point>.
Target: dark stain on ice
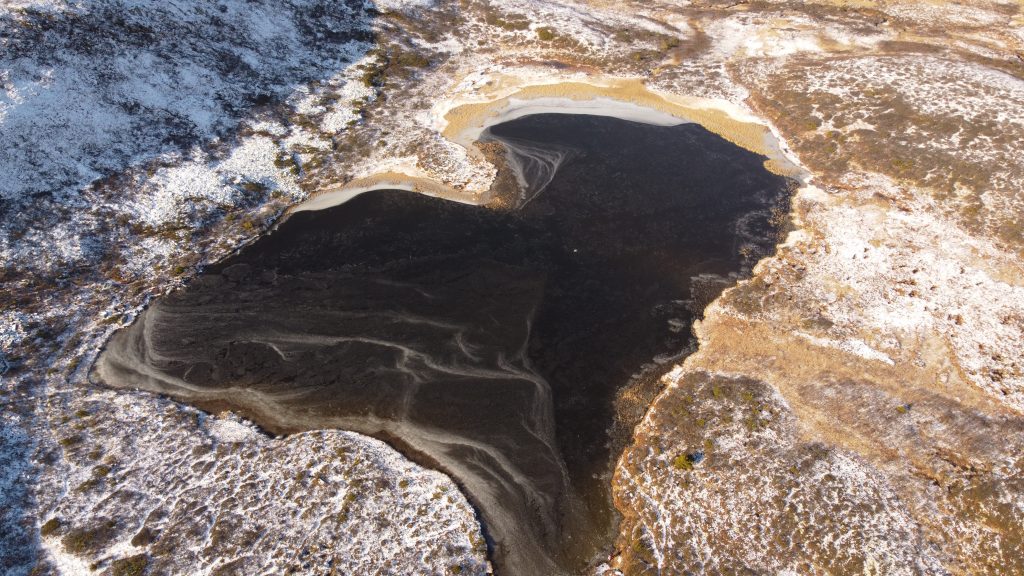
<point>490,342</point>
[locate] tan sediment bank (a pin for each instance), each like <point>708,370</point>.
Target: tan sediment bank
<point>385,180</point>
<point>462,118</point>
<point>629,99</point>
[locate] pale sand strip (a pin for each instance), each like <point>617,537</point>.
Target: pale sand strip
<point>628,99</point>
<point>384,181</point>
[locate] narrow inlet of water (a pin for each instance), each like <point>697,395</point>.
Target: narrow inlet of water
<point>487,341</point>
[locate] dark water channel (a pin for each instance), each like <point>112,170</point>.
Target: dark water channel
<point>489,342</point>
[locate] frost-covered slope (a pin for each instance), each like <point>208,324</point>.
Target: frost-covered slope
<point>138,139</point>
<point>92,87</point>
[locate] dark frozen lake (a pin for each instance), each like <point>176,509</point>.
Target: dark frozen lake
<point>487,342</point>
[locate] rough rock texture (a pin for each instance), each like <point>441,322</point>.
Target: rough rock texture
<point>870,391</point>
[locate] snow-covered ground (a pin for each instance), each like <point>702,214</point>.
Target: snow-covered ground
<point>140,139</point>
<point>199,494</point>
